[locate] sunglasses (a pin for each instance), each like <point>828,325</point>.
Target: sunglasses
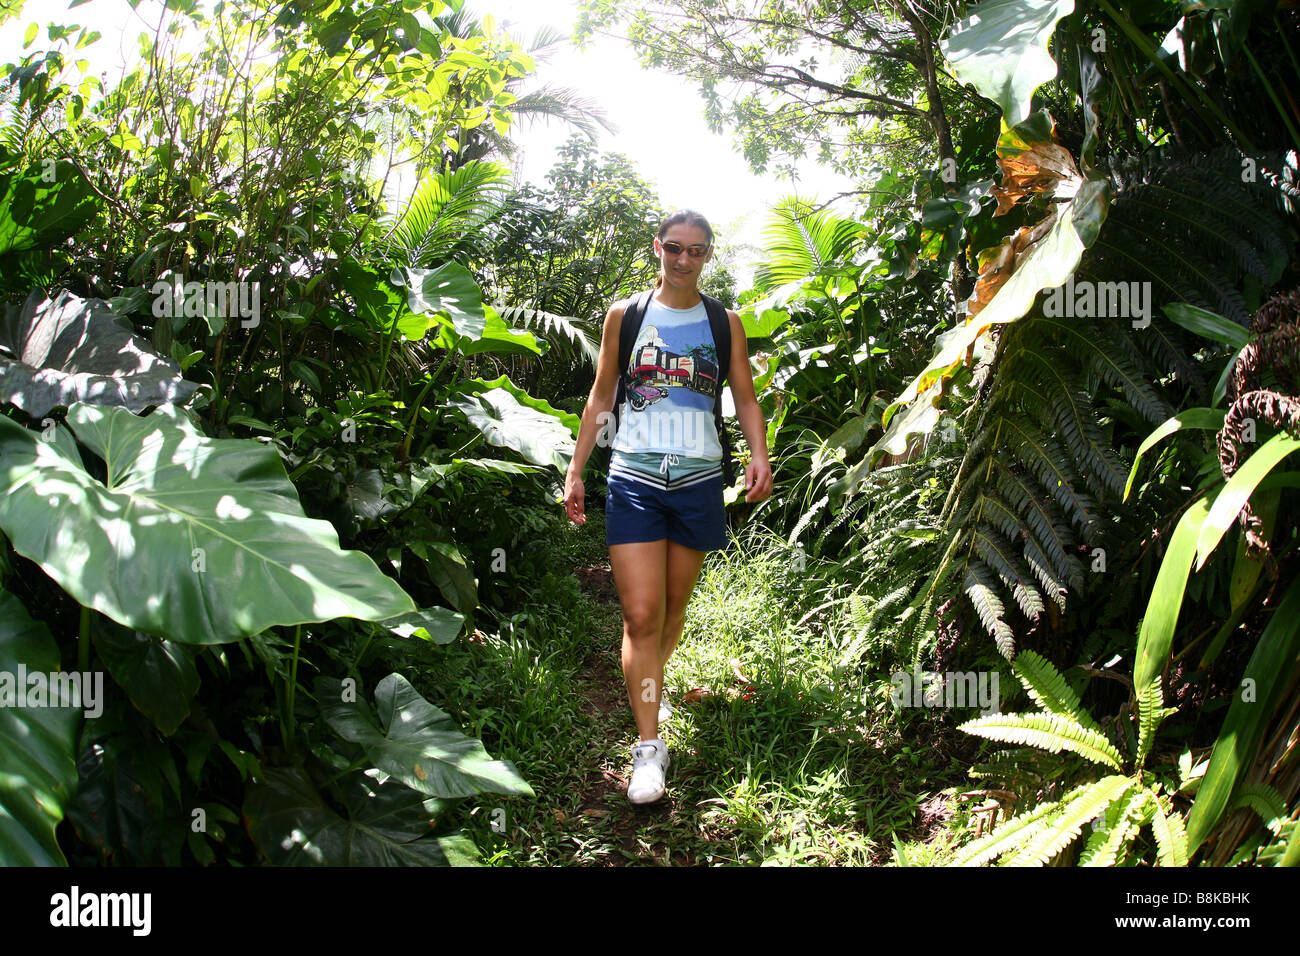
<point>675,249</point>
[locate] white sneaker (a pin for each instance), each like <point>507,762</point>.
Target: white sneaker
<point>665,709</point>
<point>649,765</point>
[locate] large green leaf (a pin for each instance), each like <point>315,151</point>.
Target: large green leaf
<point>1047,262</point>
<point>1208,324</point>
<point>190,538</point>
<point>1156,636</point>
<point>386,825</point>
<point>449,290</point>
<point>469,326</point>
<point>449,570</point>
<point>509,417</point>
<point>766,315</point>
<point>43,205</point>
<point>1001,48</point>
<point>416,742</point>
<point>1211,418</point>
<point>38,746</point>
<point>496,337</point>
<point>437,624</point>
<point>54,352</point>
<point>127,784</point>
<point>1234,495</point>
<point>158,675</point>
<point>1269,670</point>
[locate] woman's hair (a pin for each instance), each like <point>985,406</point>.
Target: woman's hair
<point>688,217</point>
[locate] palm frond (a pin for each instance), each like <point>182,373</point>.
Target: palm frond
<point>448,213</point>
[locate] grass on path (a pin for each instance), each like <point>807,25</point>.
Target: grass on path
<point>784,748</point>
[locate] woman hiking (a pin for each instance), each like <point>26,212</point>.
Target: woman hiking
<point>664,509</point>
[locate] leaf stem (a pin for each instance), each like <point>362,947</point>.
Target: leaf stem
<point>293,687</point>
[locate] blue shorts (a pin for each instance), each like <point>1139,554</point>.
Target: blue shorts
<point>688,509</point>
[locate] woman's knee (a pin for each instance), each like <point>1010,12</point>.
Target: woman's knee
<point>643,623</point>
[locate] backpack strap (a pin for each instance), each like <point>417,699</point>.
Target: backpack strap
<point>720,325</point>
<point>633,314</point>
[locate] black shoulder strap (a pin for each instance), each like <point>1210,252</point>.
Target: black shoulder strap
<point>633,314</point>
<point>720,325</point>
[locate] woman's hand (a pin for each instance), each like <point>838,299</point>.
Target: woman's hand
<point>575,500</point>
<point>758,481</point>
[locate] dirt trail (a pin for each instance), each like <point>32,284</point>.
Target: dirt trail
<point>604,698</point>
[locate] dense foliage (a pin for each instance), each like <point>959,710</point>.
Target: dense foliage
<point>289,367</point>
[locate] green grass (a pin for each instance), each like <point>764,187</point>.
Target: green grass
<point>804,762</point>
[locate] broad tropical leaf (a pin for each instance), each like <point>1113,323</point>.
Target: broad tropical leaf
<point>41,206</point>
<point>509,417</point>
<point>416,742</point>
<point>38,745</point>
<point>194,539</point>
<point>1001,48</point>
<point>158,675</point>
<point>1156,635</point>
<point>54,352</point>
<point>381,825</point>
<point>1269,669</point>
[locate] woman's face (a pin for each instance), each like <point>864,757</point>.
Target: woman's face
<point>683,270</point>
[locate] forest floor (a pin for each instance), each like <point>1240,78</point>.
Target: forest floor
<point>785,748</point>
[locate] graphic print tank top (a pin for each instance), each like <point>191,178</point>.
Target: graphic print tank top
<point>673,375</point>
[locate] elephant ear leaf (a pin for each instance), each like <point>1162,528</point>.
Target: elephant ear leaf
<point>510,418</point>
<point>365,824</point>
<point>38,755</point>
<point>195,539</point>
<point>415,742</point>
<point>54,352</point>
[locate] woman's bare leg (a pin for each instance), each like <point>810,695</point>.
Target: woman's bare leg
<point>683,571</point>
<point>640,575</point>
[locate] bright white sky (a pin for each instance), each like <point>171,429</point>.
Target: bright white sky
<point>659,117</point>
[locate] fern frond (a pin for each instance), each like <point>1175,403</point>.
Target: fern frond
<point>998,554</point>
<point>1010,835</point>
<point>1071,411</point>
<point>1049,688</point>
<point>1053,587</point>
<point>982,593</point>
<point>1047,460</point>
<point>1051,732</point>
<point>1170,832</point>
<point>1263,799</point>
<point>1151,712</point>
<point>1018,768</point>
<point>806,517</point>
<point>550,324</point>
<point>1068,822</point>
<point>1123,819</point>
